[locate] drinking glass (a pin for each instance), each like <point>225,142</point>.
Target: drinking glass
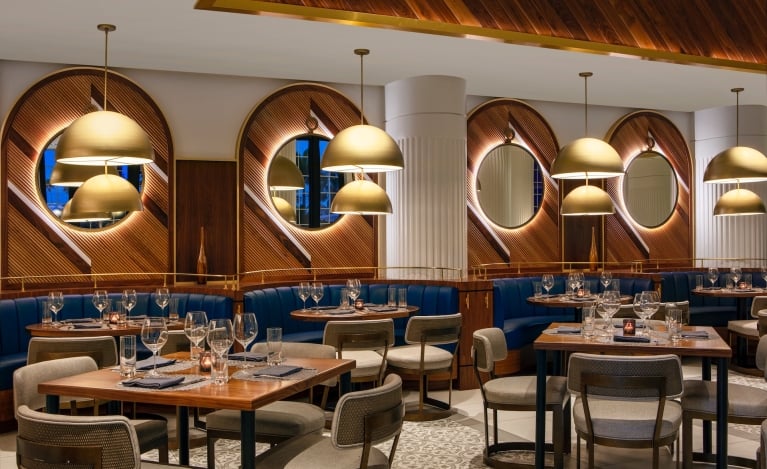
<point>154,334</point>
<point>587,323</point>
<point>737,274</point>
<point>606,278</point>
<point>579,278</point>
<point>129,300</point>
<point>100,301</point>
<point>196,329</point>
<point>162,298</point>
<point>643,313</point>
<point>610,304</point>
<point>274,346</point>
<point>674,323</point>
<point>55,304</point>
<point>650,304</point>
<point>318,291</point>
<point>547,280</point>
<point>353,285</point>
<point>127,356</point>
<point>245,331</point>
<point>304,291</point>
<point>220,335</point>
<point>570,284</point>
<point>712,275</point>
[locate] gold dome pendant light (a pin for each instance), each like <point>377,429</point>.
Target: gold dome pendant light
<point>739,202</point>
<point>587,155</point>
<point>74,175</point>
<point>737,164</point>
<point>587,200</point>
<point>361,197</point>
<point>362,147</point>
<point>104,137</point>
<point>106,193</point>
<point>284,175</point>
<point>284,208</point>
<point>72,217</point>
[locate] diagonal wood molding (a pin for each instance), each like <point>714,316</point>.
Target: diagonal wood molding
<point>706,32</point>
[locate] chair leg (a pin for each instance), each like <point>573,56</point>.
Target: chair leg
<point>590,449</point>
<point>557,418</point>
<point>655,456</point>
<point>686,441</point>
<point>212,452</point>
<point>163,453</point>
<point>578,452</point>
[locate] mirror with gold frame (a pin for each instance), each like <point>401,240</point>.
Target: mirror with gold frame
<point>650,189</point>
<point>308,207</point>
<point>57,185</point>
<point>509,185</point>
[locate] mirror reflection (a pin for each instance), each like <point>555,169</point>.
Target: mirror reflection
<point>308,207</point>
<point>58,183</point>
<point>509,185</point>
<point>650,189</point>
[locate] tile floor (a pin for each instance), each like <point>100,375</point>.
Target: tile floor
<point>521,426</point>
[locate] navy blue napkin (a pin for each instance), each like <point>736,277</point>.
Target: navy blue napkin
<point>249,356</point>
<point>278,371</point>
<point>157,382</point>
<point>148,364</point>
<point>631,338</point>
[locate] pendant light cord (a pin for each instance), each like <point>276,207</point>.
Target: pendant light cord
<point>362,53</point>
<point>737,114</point>
<point>107,28</point>
<point>585,76</point>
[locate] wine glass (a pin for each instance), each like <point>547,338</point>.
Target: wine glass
<point>650,304</point>
<point>606,278</point>
<point>55,303</point>
<point>579,279</point>
<point>736,274</point>
<point>100,301</point>
<point>162,298</point>
<point>245,331</point>
<point>220,335</point>
<point>353,285</point>
<point>713,275</point>
<point>129,300</point>
<point>571,284</point>
<point>154,334</point>
<point>196,329</point>
<point>304,291</point>
<point>642,312</point>
<point>318,291</point>
<point>611,303</point>
<point>547,281</point>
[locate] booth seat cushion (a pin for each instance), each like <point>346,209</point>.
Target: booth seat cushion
<point>704,310</point>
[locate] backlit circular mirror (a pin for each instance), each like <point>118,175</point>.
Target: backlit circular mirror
<point>650,189</point>
<point>57,185</point>
<point>308,207</point>
<point>509,185</point>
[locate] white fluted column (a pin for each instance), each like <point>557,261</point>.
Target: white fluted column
<point>426,116</point>
<point>733,236</point>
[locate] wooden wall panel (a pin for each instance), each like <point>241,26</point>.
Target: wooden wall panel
<point>627,240</point>
<point>37,243</point>
<point>206,197</point>
<point>538,240</point>
<point>266,240</point>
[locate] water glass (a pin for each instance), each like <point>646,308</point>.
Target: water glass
<point>587,323</point>
<point>274,345</point>
<point>344,303</point>
<point>615,284</point>
<point>219,368</point>
<point>122,313</point>
<point>699,282</point>
<point>402,298</point>
<point>537,289</point>
<point>47,318</point>
<point>392,297</point>
<point>127,356</point>
<point>747,282</point>
<point>674,323</point>
<point>173,309</point>
<point>586,288</point>
<point>106,313</point>
<point>729,281</point>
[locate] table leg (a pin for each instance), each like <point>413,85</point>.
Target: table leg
<point>721,413</point>
<point>248,439</point>
<point>346,382</point>
<point>52,404</point>
<point>540,409</point>
<point>706,375</point>
<point>182,434</point>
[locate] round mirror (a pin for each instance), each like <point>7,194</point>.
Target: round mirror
<point>509,185</point>
<point>309,206</point>
<point>57,184</point>
<point>650,189</point>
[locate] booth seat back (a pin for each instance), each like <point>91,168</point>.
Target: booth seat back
<point>273,306</point>
<point>704,310</point>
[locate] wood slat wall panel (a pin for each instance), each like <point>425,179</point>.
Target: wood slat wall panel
<point>351,241</point>
<point>538,240</point>
<point>139,243</point>
<point>702,30</point>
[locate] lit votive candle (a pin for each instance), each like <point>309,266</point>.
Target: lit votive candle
<point>359,303</point>
<point>205,361</point>
<point>580,293</point>
<point>114,318</point>
<point>629,327</point>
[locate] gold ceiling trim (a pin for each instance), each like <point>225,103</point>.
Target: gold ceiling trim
<point>353,18</point>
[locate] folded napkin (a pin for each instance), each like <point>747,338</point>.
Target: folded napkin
<point>631,338</point>
<point>77,320</point>
<point>694,334</point>
<point>568,330</point>
<point>249,356</point>
<point>368,305</point>
<point>278,371</point>
<point>382,309</point>
<point>148,364</point>
<point>321,307</point>
<point>157,382</point>
<point>92,325</point>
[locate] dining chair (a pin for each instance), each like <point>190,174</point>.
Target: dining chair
<point>746,405</point>
<point>516,393</point>
<point>749,329</point>
<point>151,433</point>
<point>102,349</point>
<point>423,358</point>
<point>278,421</point>
<point>761,452</point>
<point>365,341</point>
<point>361,420</point>
<point>625,401</point>
<point>88,442</point>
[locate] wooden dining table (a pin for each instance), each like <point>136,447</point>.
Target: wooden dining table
<point>244,395</point>
<point>712,349</point>
<point>567,301</point>
<point>369,312</point>
<point>741,296</point>
<point>96,328</point>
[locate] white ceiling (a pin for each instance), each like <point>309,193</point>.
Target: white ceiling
<point>172,35</point>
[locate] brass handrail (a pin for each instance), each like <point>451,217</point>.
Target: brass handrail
<point>23,280</point>
<point>437,273</point>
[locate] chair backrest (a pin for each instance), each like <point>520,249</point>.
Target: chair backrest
<point>761,355</point>
<point>434,330</point>
<point>758,303</point>
<point>368,417</point>
<point>667,366</point>
<point>300,349</point>
<point>177,342</point>
<point>26,378</point>
<point>488,347</point>
<point>359,335</point>
<point>75,439</point>
<point>102,349</point>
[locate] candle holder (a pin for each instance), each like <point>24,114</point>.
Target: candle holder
<point>114,318</point>
<point>359,303</point>
<point>206,360</point>
<point>580,293</point>
<point>629,327</point>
